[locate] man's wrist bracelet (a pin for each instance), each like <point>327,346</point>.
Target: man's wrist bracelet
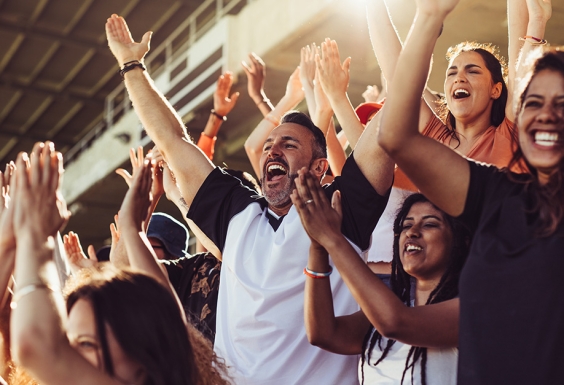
<point>129,66</point>
<point>220,117</point>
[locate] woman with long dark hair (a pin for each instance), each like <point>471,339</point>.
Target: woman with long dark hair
<point>511,319</point>
<point>429,251</point>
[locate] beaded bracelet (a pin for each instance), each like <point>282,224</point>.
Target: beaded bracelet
<point>536,40</point>
<point>220,117</point>
<point>313,274</point>
<point>20,293</point>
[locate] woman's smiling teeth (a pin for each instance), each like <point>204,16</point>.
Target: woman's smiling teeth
<point>460,93</point>
<point>545,138</point>
<point>411,247</point>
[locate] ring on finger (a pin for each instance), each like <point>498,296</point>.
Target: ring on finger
<point>308,201</point>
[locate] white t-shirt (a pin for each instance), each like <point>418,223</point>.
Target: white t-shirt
<point>260,313</point>
<point>441,366</point>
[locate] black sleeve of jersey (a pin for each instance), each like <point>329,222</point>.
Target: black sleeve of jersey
<point>220,198</point>
<point>362,205</point>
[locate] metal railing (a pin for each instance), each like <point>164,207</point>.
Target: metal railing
<point>179,41</point>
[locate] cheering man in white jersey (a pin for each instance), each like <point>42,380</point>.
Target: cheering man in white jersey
<point>260,329</point>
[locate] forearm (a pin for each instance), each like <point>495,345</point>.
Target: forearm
<point>348,119</point>
<point>335,153</point>
<point>402,114</point>
<point>322,327</point>
<point>385,40</point>
<point>35,338</point>
<point>7,256</point>
<point>155,112</point>
<point>517,17</point>
<point>428,326</point>
<point>212,126</point>
<point>322,119</point>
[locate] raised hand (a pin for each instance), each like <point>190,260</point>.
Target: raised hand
<point>256,75</point>
<point>371,94</point>
<point>222,103</point>
<point>321,100</point>
<point>138,199</point>
<point>169,181</point>
<point>121,42</point>
<point>294,90</point>
<point>333,75</point>
<point>321,219</point>
<point>307,64</point>
<point>39,208</point>
<point>136,159</point>
<point>75,254</point>
<point>539,10</point>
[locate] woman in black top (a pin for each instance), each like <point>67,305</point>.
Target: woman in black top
<point>511,305</point>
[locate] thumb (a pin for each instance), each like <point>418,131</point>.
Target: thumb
<point>234,97</point>
<point>125,175</point>
<point>347,64</point>
<point>336,203</point>
<point>92,253</point>
<point>146,40</point>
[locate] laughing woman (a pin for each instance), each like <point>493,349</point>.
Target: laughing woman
<point>429,251</point>
<point>512,314</point>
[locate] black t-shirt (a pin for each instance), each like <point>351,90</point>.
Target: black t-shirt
<point>196,281</point>
<point>511,297</point>
<point>222,196</point>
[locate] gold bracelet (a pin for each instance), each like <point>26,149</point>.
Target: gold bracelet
<point>20,293</point>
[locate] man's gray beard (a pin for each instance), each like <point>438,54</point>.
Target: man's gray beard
<point>280,198</point>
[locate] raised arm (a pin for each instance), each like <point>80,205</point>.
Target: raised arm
<point>428,326</point>
<point>526,20</point>
<point>133,213</point>
<point>162,123</point>
<point>387,47</point>
<point>341,335</point>
<point>256,74</point>
<point>254,143</point>
<point>441,174</point>
<point>334,78</point>
<point>38,341</point>
<point>222,106</point>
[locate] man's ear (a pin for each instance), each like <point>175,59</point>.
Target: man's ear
<point>496,90</point>
<point>319,167</point>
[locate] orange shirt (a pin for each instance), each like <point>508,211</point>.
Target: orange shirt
<point>495,146</point>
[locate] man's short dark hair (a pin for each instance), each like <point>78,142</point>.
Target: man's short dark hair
<point>319,143</point>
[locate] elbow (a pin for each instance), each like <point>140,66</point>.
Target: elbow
<point>250,149</point>
<point>387,142</point>
<point>318,340</point>
<point>390,327</point>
